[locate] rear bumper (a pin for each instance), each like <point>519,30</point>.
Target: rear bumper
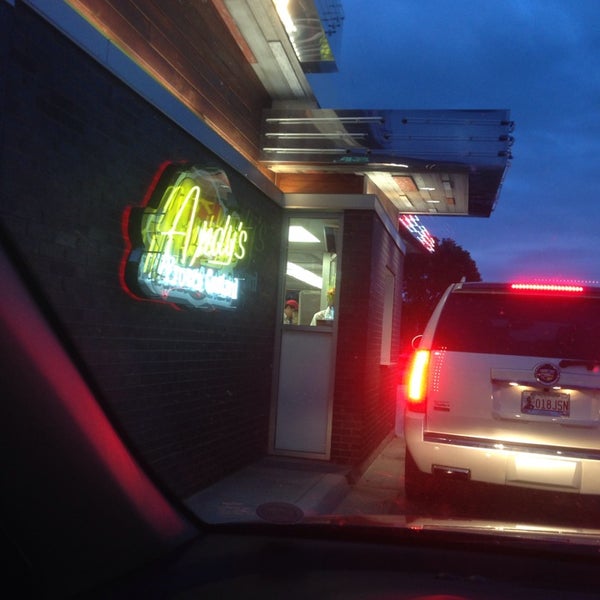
<point>489,444</point>
<point>536,466</point>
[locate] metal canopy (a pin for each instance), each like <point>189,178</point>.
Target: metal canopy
<point>423,161</point>
<point>447,162</point>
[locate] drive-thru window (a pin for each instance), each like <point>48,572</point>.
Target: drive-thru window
<point>302,408</point>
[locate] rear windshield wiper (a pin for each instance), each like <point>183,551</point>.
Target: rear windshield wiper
<point>590,365</point>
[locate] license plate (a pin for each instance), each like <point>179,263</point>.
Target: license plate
<point>553,404</point>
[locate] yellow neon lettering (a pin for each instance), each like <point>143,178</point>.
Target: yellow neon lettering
<point>242,239</point>
<point>196,192</point>
<point>190,244</point>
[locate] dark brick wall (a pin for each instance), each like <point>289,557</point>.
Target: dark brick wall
<point>190,389</point>
<point>365,391</point>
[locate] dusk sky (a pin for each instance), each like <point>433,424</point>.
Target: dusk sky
<point>538,58</point>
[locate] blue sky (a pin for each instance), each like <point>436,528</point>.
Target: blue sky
<point>538,58</point>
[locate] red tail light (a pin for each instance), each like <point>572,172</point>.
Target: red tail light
<point>417,381</point>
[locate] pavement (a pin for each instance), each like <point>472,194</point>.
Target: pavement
<point>282,489</point>
<point>380,488</point>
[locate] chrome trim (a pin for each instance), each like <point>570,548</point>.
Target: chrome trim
<point>314,136</point>
<point>334,119</point>
<point>451,472</point>
<point>489,444</point>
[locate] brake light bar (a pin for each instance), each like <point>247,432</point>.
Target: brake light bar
<point>547,287</point>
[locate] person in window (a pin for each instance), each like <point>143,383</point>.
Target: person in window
<point>328,313</point>
<point>290,312</point>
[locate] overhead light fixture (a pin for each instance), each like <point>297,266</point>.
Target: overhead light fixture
<point>304,275</point>
<point>297,233</point>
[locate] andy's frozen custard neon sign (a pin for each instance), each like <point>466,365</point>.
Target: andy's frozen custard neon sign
<point>187,240</point>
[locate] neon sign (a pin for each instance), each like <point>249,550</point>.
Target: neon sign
<point>186,240</point>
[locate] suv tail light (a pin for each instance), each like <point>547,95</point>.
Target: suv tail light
<point>417,381</point>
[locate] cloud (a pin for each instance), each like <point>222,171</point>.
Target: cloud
<point>538,58</point>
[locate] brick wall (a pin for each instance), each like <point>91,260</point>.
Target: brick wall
<point>365,391</point>
<point>190,389</point>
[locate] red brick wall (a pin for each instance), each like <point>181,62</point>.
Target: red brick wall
<point>365,390</point>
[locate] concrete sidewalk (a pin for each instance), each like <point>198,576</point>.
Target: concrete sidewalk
<point>304,487</point>
<point>380,489</point>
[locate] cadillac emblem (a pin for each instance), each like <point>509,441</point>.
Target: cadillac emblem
<point>547,373</point>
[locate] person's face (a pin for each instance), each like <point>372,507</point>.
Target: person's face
<point>289,311</point>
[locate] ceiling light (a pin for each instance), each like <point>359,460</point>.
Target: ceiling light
<point>297,233</point>
<point>298,272</point>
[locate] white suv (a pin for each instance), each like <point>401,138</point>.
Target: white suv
<point>504,388</point>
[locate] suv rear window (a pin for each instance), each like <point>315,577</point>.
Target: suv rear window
<point>551,326</point>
